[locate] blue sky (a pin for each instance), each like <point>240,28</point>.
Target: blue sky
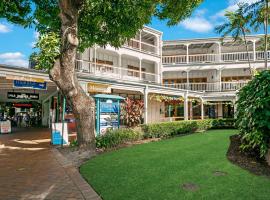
<point>17,43</point>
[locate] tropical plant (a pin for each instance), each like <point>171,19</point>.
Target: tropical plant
<point>80,24</point>
<point>253,113</point>
<point>260,13</point>
<point>131,112</point>
<point>237,25</point>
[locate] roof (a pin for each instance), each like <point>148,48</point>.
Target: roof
<point>107,96</point>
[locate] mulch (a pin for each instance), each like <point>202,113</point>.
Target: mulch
<point>246,160</point>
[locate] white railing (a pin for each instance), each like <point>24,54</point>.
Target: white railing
<point>174,59</point>
<point>214,58</point>
<point>203,58</point>
<point>142,46</point>
<point>209,87</point>
<point>110,71</point>
<point>238,56</point>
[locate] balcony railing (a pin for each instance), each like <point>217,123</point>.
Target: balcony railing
<point>214,58</point>
<point>209,87</point>
<point>142,46</point>
<point>113,72</point>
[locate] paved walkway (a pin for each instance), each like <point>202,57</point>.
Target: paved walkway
<point>31,169</point>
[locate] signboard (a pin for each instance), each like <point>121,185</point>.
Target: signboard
<point>5,126</point>
<point>58,137</point>
<point>22,105</point>
<point>108,116</point>
<point>30,85</point>
<point>25,78</point>
<point>98,88</point>
<point>25,96</point>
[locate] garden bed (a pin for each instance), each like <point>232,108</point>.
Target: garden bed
<point>246,160</point>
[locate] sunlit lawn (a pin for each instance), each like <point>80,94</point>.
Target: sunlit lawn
<point>157,171</point>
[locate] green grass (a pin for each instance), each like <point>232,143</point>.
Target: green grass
<point>156,171</point>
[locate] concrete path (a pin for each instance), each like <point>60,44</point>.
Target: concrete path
<point>31,169</point>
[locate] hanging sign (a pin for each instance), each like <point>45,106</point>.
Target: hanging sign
<point>25,96</point>
<point>22,105</point>
<point>25,78</point>
<point>29,84</point>
<point>98,88</point>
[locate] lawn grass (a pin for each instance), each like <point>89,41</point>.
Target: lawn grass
<point>156,171</point>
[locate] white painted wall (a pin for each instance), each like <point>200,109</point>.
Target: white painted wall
<point>154,108</point>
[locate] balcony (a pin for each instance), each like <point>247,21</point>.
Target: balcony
<point>142,46</point>
<point>210,87</point>
<point>114,72</point>
<point>215,58</point>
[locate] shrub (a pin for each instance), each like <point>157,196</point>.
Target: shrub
<point>114,138</point>
<point>168,129</point>
<point>253,113</point>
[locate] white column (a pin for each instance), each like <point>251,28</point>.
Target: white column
<point>202,109</point>
<point>187,80</point>
<point>220,78</point>
<point>120,65</point>
<point>186,106</point>
<point>187,45</point>
<point>145,104</point>
<point>49,118</point>
<point>140,38</point>
<point>140,68</point>
<point>254,50</point>
<point>219,52</point>
<point>95,59</point>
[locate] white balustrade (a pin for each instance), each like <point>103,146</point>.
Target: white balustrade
<point>209,87</point>
<point>214,58</point>
<point>110,71</point>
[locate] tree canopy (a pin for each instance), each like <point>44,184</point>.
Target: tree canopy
<point>100,22</point>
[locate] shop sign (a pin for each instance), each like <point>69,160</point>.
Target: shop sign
<point>98,88</point>
<point>25,96</point>
<point>5,126</point>
<point>25,78</point>
<point>22,105</point>
<point>29,84</point>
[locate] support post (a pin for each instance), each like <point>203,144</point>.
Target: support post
<point>145,105</point>
<point>140,68</point>
<point>140,38</point>
<point>254,50</point>
<point>95,59</point>
<point>120,65</point>
<point>202,109</point>
<point>188,86</point>
<point>186,106</point>
<point>63,119</point>
<point>220,78</point>
<point>219,52</point>
<point>187,45</point>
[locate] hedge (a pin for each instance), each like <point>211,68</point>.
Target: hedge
<point>169,129</point>
<point>114,138</point>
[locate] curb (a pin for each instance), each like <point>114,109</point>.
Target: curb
<point>87,191</point>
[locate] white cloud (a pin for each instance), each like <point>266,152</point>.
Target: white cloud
<point>14,58</point>
<point>232,6</point>
<point>35,36</point>
<point>197,24</point>
<point>4,28</point>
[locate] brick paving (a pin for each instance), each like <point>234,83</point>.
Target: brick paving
<point>31,169</point>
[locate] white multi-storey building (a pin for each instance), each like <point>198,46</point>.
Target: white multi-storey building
<point>200,76</point>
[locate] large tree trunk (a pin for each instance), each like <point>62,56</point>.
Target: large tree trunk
<point>64,75</point>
